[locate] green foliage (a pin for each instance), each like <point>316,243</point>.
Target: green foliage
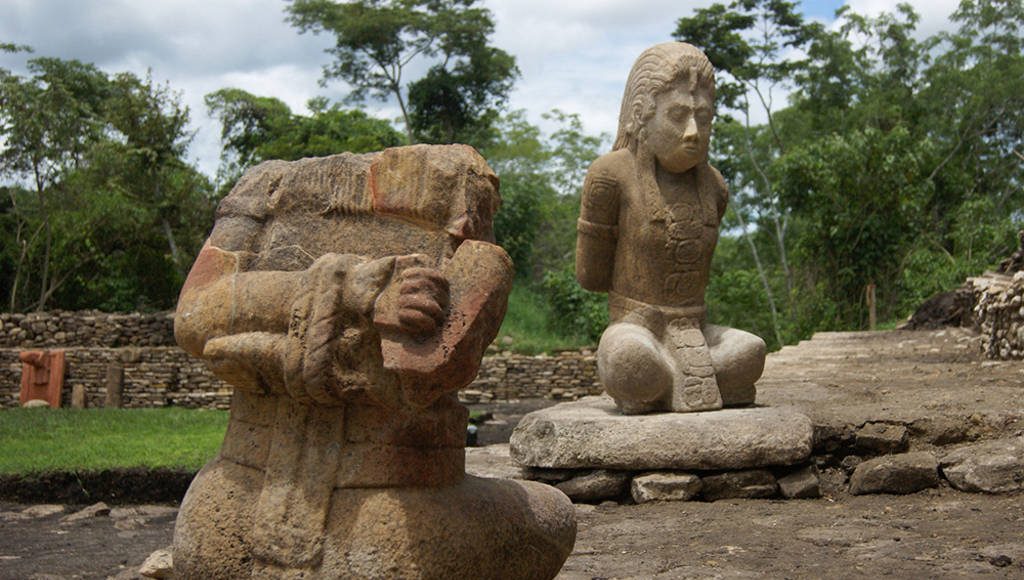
<point>458,97</point>
<point>528,324</point>
<point>857,198</point>
<point>101,209</point>
<point>40,440</point>
<point>255,129</point>
<point>576,311</point>
<point>541,177</point>
<point>896,162</point>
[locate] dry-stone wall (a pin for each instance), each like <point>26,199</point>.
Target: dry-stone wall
<point>998,313</point>
<point>564,376</point>
<point>85,328</point>
<point>156,373</point>
<point>152,377</point>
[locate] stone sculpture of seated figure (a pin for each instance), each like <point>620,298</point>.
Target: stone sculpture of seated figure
<point>648,227</point>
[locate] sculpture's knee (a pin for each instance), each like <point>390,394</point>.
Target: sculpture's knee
<point>738,358</point>
<point>633,368</point>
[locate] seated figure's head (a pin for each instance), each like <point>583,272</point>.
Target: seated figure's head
<point>667,107</point>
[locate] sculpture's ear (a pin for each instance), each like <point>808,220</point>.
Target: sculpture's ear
<point>636,118</point>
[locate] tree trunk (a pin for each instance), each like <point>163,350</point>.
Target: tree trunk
<point>764,278</point>
<point>44,278</point>
<point>175,253</point>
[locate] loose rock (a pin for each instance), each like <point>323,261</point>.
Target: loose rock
<point>898,474</point>
<point>42,510</point>
<point>752,483</point>
<point>98,509</point>
<point>595,486</point>
<point>878,438</point>
<point>801,484</point>
<point>990,467</point>
<point>159,564</point>
<point>665,486</point>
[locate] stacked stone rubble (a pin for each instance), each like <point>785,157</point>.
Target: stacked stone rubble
<point>998,314</point>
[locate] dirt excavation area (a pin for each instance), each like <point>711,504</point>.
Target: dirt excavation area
<point>930,391</point>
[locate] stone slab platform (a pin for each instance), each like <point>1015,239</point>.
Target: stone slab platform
<point>591,433</point>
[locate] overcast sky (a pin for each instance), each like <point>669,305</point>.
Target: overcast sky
<point>573,54</point>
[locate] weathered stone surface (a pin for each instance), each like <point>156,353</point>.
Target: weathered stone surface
<point>879,438</point>
<point>159,564</point>
<point>649,217</point>
<point>597,485</point>
<point>98,509</point>
<point>35,404</point>
<point>113,385</point>
<point>664,486</point>
<point>749,484</point>
<point>31,512</point>
<point>346,299</point>
<point>549,476</point>
<point>78,397</point>
<point>591,433</point>
<point>802,484</point>
<point>991,467</point>
<point>898,474</point>
<point>42,510</point>
<point>491,461</point>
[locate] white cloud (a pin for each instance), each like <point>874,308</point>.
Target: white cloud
<point>574,54</point>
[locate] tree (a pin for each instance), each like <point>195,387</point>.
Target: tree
<point>746,42</point>
<point>102,204</point>
<point>255,129</point>
<point>541,177</point>
<point>895,163</point>
<point>376,41</point>
<point>49,122</point>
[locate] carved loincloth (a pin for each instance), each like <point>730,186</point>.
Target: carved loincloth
<point>678,329</point>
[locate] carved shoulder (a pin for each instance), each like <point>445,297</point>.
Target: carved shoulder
<point>602,189</point>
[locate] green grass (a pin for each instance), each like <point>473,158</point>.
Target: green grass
<point>526,323</point>
<point>35,440</point>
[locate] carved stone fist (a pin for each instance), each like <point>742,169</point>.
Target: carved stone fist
<point>422,300</point>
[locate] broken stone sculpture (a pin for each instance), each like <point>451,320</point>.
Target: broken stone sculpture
<point>347,298</point>
<point>42,376</point>
<point>648,227</point>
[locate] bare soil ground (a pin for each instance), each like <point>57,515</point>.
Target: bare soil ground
<point>934,382</point>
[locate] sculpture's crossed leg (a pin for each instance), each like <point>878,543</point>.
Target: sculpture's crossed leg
<point>688,367</point>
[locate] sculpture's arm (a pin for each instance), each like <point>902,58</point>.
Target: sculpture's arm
<point>597,229</point>
<point>723,192</point>
<point>220,300</point>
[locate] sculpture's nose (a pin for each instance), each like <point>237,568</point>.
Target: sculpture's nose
<point>690,131</point>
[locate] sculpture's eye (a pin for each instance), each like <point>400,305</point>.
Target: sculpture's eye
<point>679,113</point>
<point>703,115</point>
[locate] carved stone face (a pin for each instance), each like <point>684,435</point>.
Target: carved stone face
<point>679,131</point>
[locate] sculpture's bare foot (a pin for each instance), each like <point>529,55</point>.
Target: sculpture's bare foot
<point>634,368</point>
<point>738,358</point>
